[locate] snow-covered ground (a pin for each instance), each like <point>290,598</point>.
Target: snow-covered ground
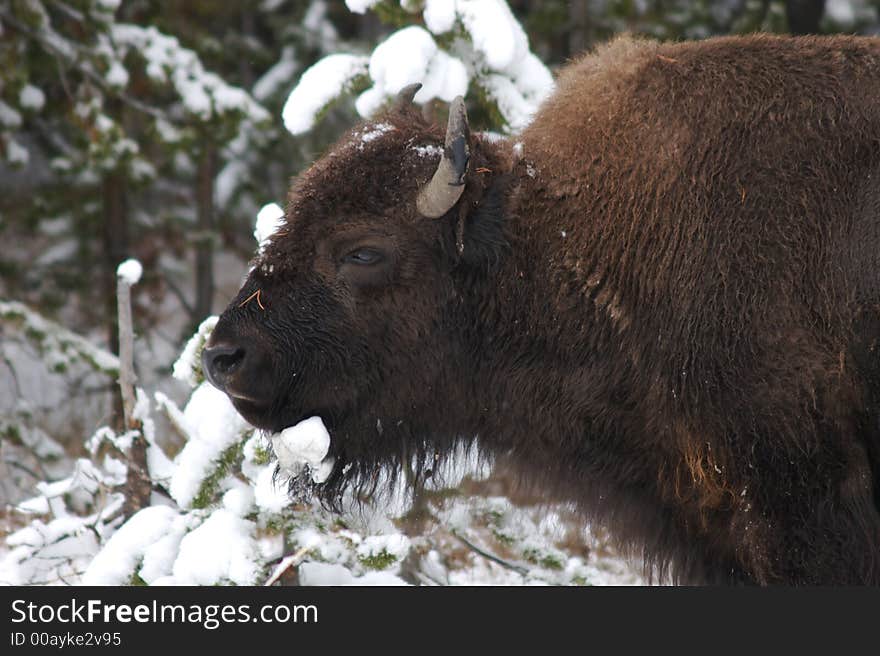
<point>458,538</point>
<point>224,487</point>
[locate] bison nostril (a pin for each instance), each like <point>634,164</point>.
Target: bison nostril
<point>226,363</point>
<point>218,362</point>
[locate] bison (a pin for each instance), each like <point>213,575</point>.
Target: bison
<point>660,303</point>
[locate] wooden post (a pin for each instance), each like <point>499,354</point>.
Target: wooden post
<point>138,485</point>
<point>127,376</point>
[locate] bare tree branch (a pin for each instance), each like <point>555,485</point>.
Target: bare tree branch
<point>175,289</point>
<point>286,563</point>
<point>519,569</point>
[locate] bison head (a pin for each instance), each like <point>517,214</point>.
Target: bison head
<point>350,313</point>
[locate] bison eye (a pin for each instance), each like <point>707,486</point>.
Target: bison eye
<point>363,256</point>
<point>366,264</point>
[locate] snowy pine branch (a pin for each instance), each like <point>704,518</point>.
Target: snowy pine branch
<point>456,44</point>
<point>59,346</point>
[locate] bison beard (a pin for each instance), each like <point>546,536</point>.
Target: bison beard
<point>662,304</point>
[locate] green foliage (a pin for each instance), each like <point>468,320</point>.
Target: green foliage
<point>58,346</point>
<point>262,456</point>
<point>378,561</point>
<point>545,559</point>
<point>136,579</point>
<point>210,486</point>
<point>11,433</point>
<point>393,13</point>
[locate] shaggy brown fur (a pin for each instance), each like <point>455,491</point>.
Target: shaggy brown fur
<point>667,306</point>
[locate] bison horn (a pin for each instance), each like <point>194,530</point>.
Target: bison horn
<point>406,94</point>
<point>447,185</point>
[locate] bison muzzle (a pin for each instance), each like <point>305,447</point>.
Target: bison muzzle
<point>661,302</point>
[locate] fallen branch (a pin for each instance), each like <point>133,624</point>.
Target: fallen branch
<point>519,569</point>
<point>286,563</point>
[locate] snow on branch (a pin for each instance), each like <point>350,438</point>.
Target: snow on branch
<point>204,94</point>
<point>463,43</point>
<point>318,87</point>
<point>57,344</point>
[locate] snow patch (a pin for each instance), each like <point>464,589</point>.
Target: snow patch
<point>268,496</point>
<point>31,97</point>
<point>408,56</point>
<point>34,505</point>
<point>841,11</point>
<point>188,367</point>
<point>495,54</point>
<point>116,75</point>
<point>239,500</point>
<point>159,557</point>
<point>304,445</point>
<point>203,94</point>
<point>325,574</point>
<point>213,426</point>
<point>375,131</point>
<point>428,150</point>
<point>117,562</point>
<point>402,59</point>
<point>130,271</point>
<point>439,15</point>
<point>269,219</point>
<point>446,78</point>
<point>201,562</point>
<point>8,116</point>
<point>515,108</point>
<point>396,546</point>
<point>277,76</point>
<point>55,339</point>
<point>319,85</point>
<point>16,154</point>
<point>494,31</point>
<point>360,6</point>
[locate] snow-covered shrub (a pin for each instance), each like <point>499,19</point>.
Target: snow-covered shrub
<point>220,514</point>
<point>51,379</point>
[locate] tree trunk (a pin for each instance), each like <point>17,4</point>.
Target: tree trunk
<point>578,21</point>
<point>248,30</point>
<point>205,230</point>
<point>804,15</point>
<point>116,243</point>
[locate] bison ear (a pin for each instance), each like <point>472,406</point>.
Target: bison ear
<point>443,191</point>
<point>406,94</point>
<point>480,239</point>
